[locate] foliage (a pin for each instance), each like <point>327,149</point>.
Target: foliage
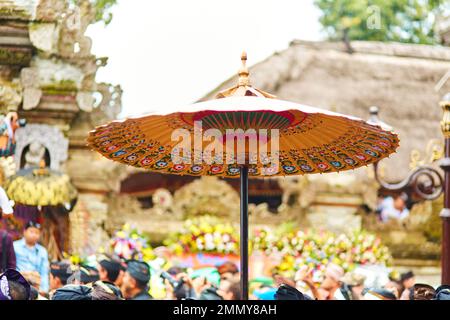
<point>318,248</point>
<point>410,21</point>
<point>294,247</point>
<point>128,243</point>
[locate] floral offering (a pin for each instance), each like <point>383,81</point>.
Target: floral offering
<point>205,234</point>
<point>128,243</point>
<point>317,249</point>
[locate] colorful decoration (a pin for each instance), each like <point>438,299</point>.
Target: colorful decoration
<point>202,260</point>
<point>206,235</point>
<point>128,243</point>
<point>78,260</point>
<point>263,239</point>
<point>207,242</point>
<point>345,143</point>
<point>40,187</point>
<point>9,123</point>
<point>207,239</point>
<point>318,248</point>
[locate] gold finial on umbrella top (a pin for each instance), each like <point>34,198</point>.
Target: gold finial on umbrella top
<point>243,87</point>
<point>243,71</point>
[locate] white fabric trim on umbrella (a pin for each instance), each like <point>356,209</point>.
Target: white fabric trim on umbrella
<point>247,104</point>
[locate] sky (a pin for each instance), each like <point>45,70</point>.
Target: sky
<point>166,53</point>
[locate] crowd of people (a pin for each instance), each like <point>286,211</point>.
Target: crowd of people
<point>26,274</point>
<point>351,286</point>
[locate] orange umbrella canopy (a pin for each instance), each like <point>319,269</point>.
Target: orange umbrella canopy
<point>308,140</point>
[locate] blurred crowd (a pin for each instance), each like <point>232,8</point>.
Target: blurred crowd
<point>351,286</point>
<point>26,274</point>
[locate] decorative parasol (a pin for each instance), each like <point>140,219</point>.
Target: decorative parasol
<point>40,187</point>
<point>301,140</point>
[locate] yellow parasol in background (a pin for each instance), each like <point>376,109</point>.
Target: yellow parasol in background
<point>308,140</point>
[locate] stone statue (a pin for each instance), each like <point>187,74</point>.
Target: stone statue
<point>39,138</point>
<point>35,155</point>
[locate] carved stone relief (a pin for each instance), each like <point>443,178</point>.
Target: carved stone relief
<point>47,136</point>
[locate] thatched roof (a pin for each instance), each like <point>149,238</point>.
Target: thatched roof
<point>398,78</point>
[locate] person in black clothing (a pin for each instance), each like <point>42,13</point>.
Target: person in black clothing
<point>13,286</point>
<point>442,293</point>
<point>103,290</point>
<point>7,254</point>
<point>73,292</point>
<point>286,292</point>
<point>88,274</point>
<point>60,272</point>
<point>135,281</point>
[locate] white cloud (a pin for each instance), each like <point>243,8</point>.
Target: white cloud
<point>172,52</point>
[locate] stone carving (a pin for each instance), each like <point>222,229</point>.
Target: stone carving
<point>335,219</point>
<point>207,195</point>
<point>72,41</point>
<point>50,10</point>
<point>87,220</point>
<point>260,211</point>
<point>43,36</point>
<point>89,68</point>
<point>293,187</point>
<point>162,200</point>
<point>122,208</point>
<point>31,98</point>
<point>47,72</point>
<point>58,73</point>
<point>109,106</point>
<point>85,100</point>
<point>16,56</point>
<point>10,98</point>
<point>35,155</point>
<point>47,136</point>
<point>29,78</point>
<point>19,9</point>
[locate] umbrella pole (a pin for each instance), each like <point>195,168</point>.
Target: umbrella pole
<point>244,232</point>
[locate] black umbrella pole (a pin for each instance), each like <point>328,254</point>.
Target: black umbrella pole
<point>244,232</point>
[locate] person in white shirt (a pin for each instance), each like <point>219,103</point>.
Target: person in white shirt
<point>5,204</point>
<point>394,208</point>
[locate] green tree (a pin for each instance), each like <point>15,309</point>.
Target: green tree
<point>102,9</point>
<point>411,21</point>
